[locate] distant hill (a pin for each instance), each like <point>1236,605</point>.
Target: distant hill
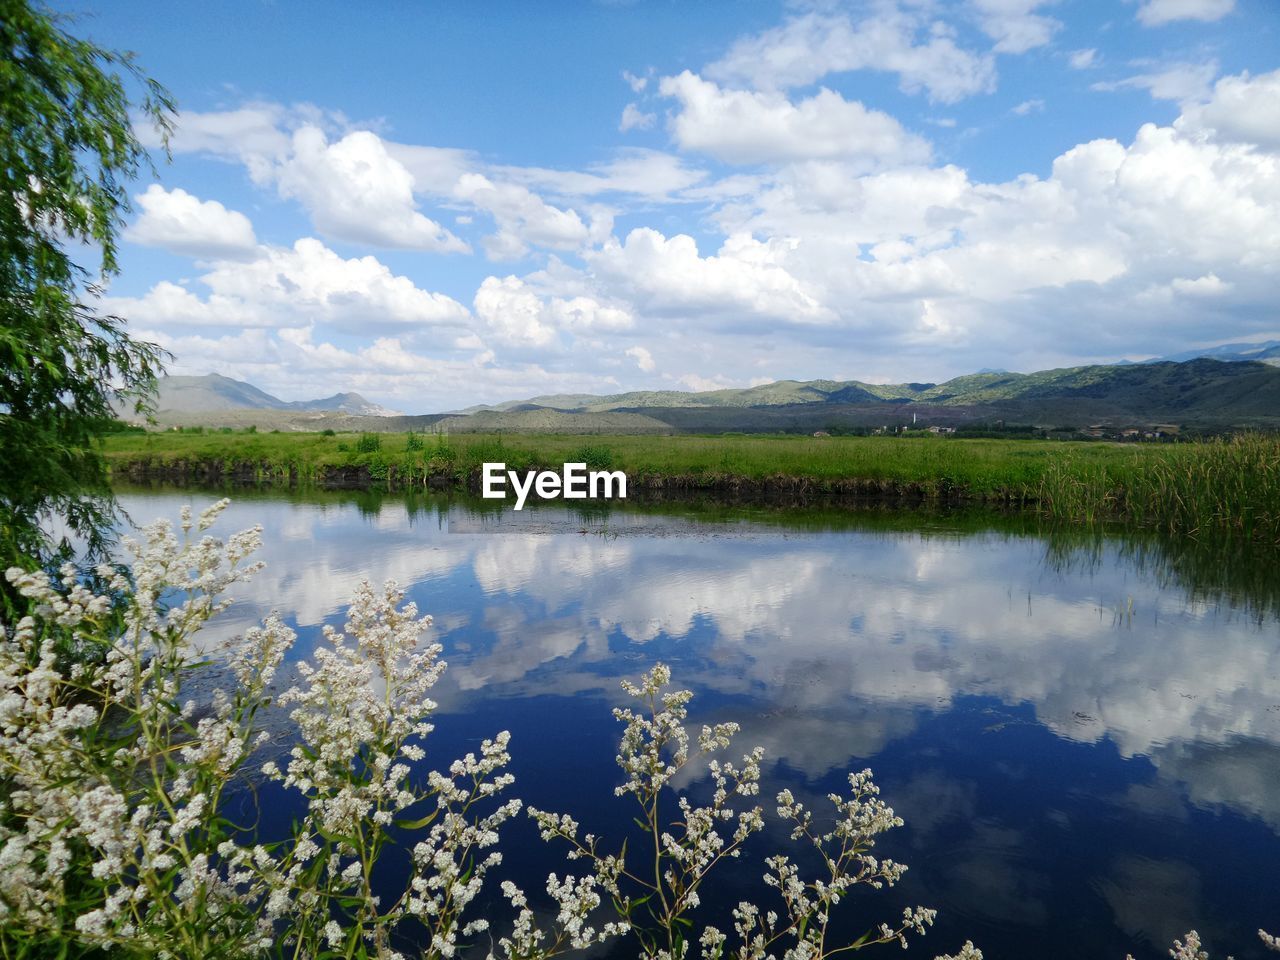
<point>1196,394</point>
<point>1266,352</point>
<point>1202,392</point>
<point>213,393</point>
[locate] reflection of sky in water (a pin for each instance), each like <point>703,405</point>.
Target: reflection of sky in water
<point>1088,763</point>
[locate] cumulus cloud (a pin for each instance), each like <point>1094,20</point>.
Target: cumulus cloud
<point>742,126</point>
<point>917,257</point>
<point>514,314</point>
<point>296,287</point>
<point>363,189</point>
<point>181,223</point>
<point>1242,109</point>
<point>522,218</point>
<point>666,276</point>
<point>643,359</point>
<point>895,39</point>
<point>1154,13</point>
<point>355,190</point>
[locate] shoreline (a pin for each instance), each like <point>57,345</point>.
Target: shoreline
<point>1190,488</point>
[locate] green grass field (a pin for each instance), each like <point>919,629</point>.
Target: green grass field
<point>1190,488</point>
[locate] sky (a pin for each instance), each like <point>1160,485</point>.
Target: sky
<point>437,204</point>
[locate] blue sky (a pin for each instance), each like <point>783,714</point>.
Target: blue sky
<point>450,203</point>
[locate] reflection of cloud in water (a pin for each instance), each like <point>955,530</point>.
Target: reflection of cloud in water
<point>1152,900</point>
<point>991,874</point>
<point>841,638</point>
<point>1241,775</point>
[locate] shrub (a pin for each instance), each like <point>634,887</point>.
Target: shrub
<point>327,432</point>
<point>369,443</point>
<point>413,441</point>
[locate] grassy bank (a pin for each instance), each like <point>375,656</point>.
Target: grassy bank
<point>1186,488</point>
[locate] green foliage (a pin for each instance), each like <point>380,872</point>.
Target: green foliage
<point>369,443</point>
<point>327,433</point>
<point>1226,485</point>
<point>594,455</point>
<point>67,150</point>
<point>413,441</point>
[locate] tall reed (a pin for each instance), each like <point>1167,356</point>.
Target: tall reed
<point>1224,486</point>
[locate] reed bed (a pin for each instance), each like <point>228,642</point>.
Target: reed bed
<point>1191,488</point>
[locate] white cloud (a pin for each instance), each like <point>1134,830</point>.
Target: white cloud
<point>636,83</point>
<point>179,222</point>
<point>1180,82</point>
<point>253,134</point>
<point>742,126</point>
<point>650,174</point>
<point>1014,24</point>
<point>515,315</point>
<point>358,188</point>
<point>296,287</point>
<point>168,305</point>
<point>643,358</point>
<point>1242,109</point>
<point>666,277</point>
<point>633,118</point>
<point>914,258</point>
<point>1029,106</point>
<point>805,49</point>
<point>522,218</point>
<point>294,364</point>
<point>1083,59</point>
<point>1207,286</point>
<point>355,190</point>
<point>1154,13</point>
<point>435,170</point>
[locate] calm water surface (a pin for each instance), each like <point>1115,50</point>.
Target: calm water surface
<point>1084,745</point>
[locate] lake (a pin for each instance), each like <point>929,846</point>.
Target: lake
<point>1082,732</point>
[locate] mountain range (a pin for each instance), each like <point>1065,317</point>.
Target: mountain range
<point>212,393</point>
<point>1238,387</point>
<point>1201,392</point>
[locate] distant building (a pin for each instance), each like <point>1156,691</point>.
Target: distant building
<point>1167,429</point>
<point>942,429</point>
<point>821,433</point>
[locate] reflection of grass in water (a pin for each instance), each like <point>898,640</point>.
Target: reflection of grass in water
<point>1228,568</point>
